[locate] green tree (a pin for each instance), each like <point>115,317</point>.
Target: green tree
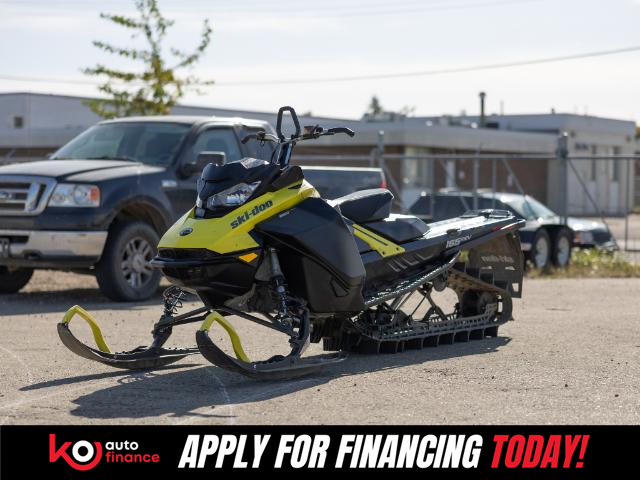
<point>375,108</point>
<point>155,87</point>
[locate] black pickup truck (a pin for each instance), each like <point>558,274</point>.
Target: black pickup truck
<point>101,202</point>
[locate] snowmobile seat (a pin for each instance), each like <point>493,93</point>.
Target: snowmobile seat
<point>366,205</point>
<point>399,228</point>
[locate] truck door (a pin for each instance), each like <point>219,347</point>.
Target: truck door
<point>210,139</point>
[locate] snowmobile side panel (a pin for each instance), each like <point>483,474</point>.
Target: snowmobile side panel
<point>320,259</point>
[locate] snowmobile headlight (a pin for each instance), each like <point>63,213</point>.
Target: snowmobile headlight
<point>236,195</point>
<point>75,195</point>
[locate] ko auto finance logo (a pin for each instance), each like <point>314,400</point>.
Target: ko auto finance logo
<point>84,455</point>
<point>81,453</point>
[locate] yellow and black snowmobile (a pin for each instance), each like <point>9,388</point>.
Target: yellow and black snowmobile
<point>261,244</point>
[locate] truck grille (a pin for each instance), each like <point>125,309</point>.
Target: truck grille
<point>601,236</point>
<point>24,195</point>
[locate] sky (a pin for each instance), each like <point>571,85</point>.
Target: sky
<point>276,40</point>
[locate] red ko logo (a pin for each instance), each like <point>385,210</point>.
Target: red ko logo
<point>54,454</point>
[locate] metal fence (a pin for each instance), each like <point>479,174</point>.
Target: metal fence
<point>604,187</point>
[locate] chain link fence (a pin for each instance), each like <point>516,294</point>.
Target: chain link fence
<point>593,188</point>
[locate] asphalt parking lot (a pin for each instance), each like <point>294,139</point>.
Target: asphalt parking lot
<point>571,356</point>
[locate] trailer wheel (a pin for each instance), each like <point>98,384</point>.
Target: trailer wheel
<point>124,273</point>
<point>12,280</point>
<point>562,248</point>
<point>540,253</point>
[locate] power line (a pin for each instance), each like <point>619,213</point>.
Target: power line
<point>403,11</point>
<point>381,76</point>
<point>444,71</point>
<point>343,11</point>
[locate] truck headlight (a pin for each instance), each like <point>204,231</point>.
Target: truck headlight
<point>75,195</point>
<point>236,195</point>
<point>584,238</point>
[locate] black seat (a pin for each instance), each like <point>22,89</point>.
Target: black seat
<point>365,205</point>
<point>399,228</point>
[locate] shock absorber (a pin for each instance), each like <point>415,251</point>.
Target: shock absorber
<point>277,278</point>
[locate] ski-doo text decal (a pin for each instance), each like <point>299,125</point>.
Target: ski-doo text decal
<point>251,213</point>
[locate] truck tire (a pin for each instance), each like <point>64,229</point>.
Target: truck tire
<point>562,248</point>
<point>540,254</point>
<point>123,272</point>
<point>11,281</point>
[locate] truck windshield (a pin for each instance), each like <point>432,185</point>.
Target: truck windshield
<point>529,208</point>
<point>154,143</point>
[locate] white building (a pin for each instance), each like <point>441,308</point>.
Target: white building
<point>607,180</point>
<point>32,125</point>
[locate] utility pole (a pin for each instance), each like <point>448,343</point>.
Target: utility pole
<point>562,154</point>
<point>482,121</point>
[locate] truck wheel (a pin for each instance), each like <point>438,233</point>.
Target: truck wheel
<point>562,248</point>
<point>540,253</point>
<point>11,281</point>
<point>123,272</point>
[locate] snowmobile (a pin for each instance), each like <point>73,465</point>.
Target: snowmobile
<point>260,244</point>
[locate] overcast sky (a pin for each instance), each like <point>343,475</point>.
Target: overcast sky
<point>279,39</point>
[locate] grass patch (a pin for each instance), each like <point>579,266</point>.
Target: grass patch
<point>591,263</point>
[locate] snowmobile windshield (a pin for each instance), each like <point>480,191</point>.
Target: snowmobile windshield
<point>224,187</point>
<point>152,143</point>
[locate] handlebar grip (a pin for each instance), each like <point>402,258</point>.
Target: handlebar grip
<point>246,138</point>
<point>294,117</point>
<point>345,130</point>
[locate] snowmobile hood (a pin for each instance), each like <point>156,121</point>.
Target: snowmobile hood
<point>77,170</point>
<point>231,232</point>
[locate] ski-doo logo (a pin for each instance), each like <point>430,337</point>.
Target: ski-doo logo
<point>454,242</point>
<point>497,259</point>
<point>79,459</point>
<point>251,213</point>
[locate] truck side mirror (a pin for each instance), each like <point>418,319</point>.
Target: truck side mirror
<point>203,159</point>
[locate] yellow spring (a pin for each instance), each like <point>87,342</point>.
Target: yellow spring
<point>235,339</point>
<point>95,329</point>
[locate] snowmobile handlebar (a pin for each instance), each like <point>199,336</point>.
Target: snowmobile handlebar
<point>309,132</point>
<point>294,117</point>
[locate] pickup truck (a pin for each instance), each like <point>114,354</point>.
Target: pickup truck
<point>333,182</point>
<point>100,203</point>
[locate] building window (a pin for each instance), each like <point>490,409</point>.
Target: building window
<point>18,122</point>
<point>594,163</point>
